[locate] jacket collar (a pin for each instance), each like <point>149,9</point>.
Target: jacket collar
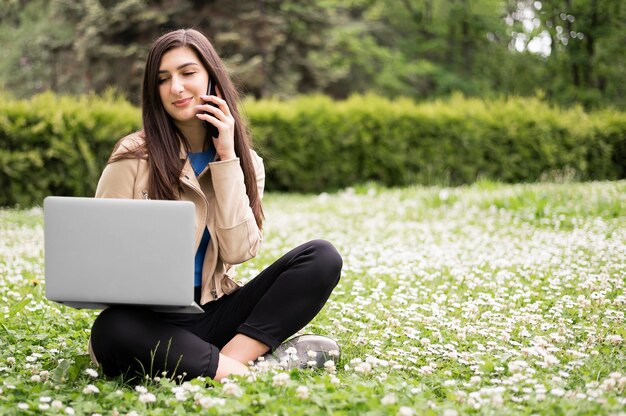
<point>183,152</point>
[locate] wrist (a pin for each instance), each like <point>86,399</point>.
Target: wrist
<point>227,156</point>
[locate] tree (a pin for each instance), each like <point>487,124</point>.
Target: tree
<point>586,59</point>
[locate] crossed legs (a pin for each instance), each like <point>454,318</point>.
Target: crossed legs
<point>244,325</point>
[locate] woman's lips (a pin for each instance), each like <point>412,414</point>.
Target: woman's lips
<point>183,102</point>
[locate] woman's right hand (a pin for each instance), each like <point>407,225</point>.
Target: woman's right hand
<point>223,120</point>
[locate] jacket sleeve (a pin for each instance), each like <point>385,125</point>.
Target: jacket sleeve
<point>118,179</point>
<point>238,235</point>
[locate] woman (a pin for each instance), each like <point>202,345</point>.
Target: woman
<point>175,157</point>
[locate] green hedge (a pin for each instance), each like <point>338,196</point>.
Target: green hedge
<point>53,145</point>
<point>312,143</point>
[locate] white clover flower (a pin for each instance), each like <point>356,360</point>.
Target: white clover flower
<point>334,380</point>
<point>91,389</point>
<point>147,398</point>
<point>311,353</point>
<point>549,360</point>
<point>311,363</point>
<point>45,399</point>
<point>363,368</point>
<point>22,406</point>
<point>450,412</point>
<point>426,370</point>
<point>291,351</point>
<point>280,379</point>
<point>141,389</point>
<point>329,366</point>
<point>614,339</point>
<point>43,406</point>
<point>302,392</point>
<point>405,411</point>
<point>333,353</point>
<point>180,396</point>
<point>231,389</point>
<point>517,366</point>
<point>192,388</point>
<point>557,391</point>
<point>389,399</point>
<point>497,400</point>
<point>56,404</point>
<point>36,378</point>
<point>91,372</point>
<point>10,360</point>
<point>207,402</point>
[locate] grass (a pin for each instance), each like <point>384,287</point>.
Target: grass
<point>487,299</point>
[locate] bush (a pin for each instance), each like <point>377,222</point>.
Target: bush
<point>53,145</point>
<point>312,143</point>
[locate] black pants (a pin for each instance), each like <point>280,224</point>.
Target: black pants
<point>281,300</point>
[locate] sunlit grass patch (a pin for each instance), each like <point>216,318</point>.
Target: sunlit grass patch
<point>487,299</point>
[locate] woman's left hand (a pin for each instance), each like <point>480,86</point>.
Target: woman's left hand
<point>223,120</point>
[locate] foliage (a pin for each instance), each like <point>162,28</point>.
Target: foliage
<point>487,299</point>
<point>99,44</point>
<point>53,145</point>
<point>313,144</point>
<point>586,60</point>
<point>572,50</point>
<point>58,145</point>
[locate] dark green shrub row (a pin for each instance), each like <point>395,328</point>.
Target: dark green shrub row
<point>313,144</point>
<point>53,145</point>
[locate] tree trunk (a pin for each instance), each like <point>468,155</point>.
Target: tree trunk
<point>591,45</point>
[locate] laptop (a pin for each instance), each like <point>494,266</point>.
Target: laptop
<point>100,252</point>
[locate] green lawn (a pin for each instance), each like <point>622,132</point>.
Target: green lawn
<point>489,299</point>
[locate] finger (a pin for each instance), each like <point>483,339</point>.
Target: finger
<point>212,119</point>
<point>215,111</point>
<point>220,102</point>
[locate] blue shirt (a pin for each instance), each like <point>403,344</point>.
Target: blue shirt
<point>199,161</point>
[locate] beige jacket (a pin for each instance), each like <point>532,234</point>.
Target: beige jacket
<point>219,194</point>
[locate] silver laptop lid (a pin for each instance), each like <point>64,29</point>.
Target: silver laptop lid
<point>119,251</point>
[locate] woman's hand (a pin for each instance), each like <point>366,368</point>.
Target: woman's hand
<point>223,120</point>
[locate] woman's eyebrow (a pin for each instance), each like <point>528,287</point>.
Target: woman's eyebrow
<point>163,71</point>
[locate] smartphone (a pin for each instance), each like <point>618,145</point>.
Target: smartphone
<point>213,131</point>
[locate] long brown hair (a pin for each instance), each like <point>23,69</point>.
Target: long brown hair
<point>163,139</point>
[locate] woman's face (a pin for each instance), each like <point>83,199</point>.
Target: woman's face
<point>182,80</point>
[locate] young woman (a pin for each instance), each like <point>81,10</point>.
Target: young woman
<point>175,157</point>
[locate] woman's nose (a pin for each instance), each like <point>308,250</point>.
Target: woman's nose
<point>177,86</point>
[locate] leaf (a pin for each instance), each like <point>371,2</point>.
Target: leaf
<point>59,374</point>
<point>10,336</point>
<point>18,306</point>
<point>68,371</point>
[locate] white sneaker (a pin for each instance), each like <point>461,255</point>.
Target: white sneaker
<point>305,351</point>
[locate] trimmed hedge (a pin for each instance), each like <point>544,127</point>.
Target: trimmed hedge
<point>312,143</point>
<point>53,145</point>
